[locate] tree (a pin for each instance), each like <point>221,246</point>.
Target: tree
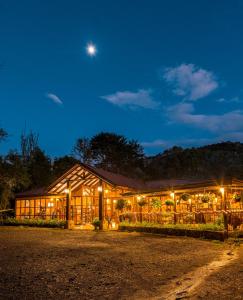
<point>115,153</point>
<point>82,150</point>
<point>13,178</point>
<point>3,134</point>
<point>62,164</point>
<point>39,168</point>
<point>28,144</point>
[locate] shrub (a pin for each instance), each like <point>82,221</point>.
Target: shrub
<point>54,223</point>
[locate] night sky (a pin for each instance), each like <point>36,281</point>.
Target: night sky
<point>165,72</point>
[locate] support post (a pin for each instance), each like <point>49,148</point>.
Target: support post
<point>68,206</point>
<point>101,204</point>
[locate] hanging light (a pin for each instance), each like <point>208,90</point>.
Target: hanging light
<point>221,190</point>
<point>100,188</point>
<point>66,191</point>
<point>172,194</point>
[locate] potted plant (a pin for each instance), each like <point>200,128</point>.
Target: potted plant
<point>207,198</point>
<point>169,202</point>
<point>121,204</point>
<point>185,197</point>
<point>96,223</point>
<point>141,203</point>
<point>237,197</point>
<point>156,203</point>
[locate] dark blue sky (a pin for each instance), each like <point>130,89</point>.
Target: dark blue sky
<point>166,72</point>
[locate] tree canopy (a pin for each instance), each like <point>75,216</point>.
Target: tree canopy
<point>31,167</point>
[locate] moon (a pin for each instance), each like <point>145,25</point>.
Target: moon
<point>91,49</point>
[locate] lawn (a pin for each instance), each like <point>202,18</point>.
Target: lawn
<point>40,263</point>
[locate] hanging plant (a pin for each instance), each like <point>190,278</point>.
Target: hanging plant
<point>142,202</point>
<point>169,202</point>
<point>208,197</point>
<point>156,203</point>
<point>236,197</point>
<point>185,197</point>
<point>120,204</point>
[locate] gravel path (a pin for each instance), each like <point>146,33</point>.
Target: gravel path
<point>60,264</point>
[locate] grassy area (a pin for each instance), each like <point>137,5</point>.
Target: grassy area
<point>202,227</point>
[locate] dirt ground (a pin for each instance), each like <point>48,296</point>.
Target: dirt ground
<point>60,264</point>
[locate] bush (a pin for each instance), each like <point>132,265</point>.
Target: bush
<point>201,227</point>
<point>54,223</point>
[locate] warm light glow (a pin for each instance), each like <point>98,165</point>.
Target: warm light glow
<point>190,201</point>
<point>50,204</point>
<point>216,199</point>
<point>66,191</point>
<point>108,201</point>
<point>106,191</point>
<point>138,197</point>
<point>172,195</point>
<point>113,225</point>
<point>221,190</point>
<point>91,49</point>
<point>114,201</point>
<point>100,188</point>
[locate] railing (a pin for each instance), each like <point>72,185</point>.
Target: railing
<point>231,219</point>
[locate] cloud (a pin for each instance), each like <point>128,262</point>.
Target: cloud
<point>231,100</point>
<point>178,142</point>
<point>54,98</point>
<point>190,81</point>
<point>141,98</point>
<point>185,113</point>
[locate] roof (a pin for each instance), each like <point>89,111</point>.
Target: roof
<point>33,193</point>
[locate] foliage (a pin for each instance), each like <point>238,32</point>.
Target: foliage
<point>82,150</point>
<point>237,197</point>
<point>169,202</point>
<point>3,134</point>
<point>217,161</point>
<point>62,164</point>
<point>33,222</point>
<point>120,204</point>
<point>185,197</point>
<point>96,223</point>
<point>207,197</point>
<point>142,202</point>
<point>115,153</point>
<point>202,227</point>
<point>156,203</point>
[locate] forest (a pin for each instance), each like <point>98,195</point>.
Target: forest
<point>30,167</point>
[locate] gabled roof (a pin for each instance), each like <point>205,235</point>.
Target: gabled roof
<point>82,174</point>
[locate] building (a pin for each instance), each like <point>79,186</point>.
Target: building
<point>85,193</point>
